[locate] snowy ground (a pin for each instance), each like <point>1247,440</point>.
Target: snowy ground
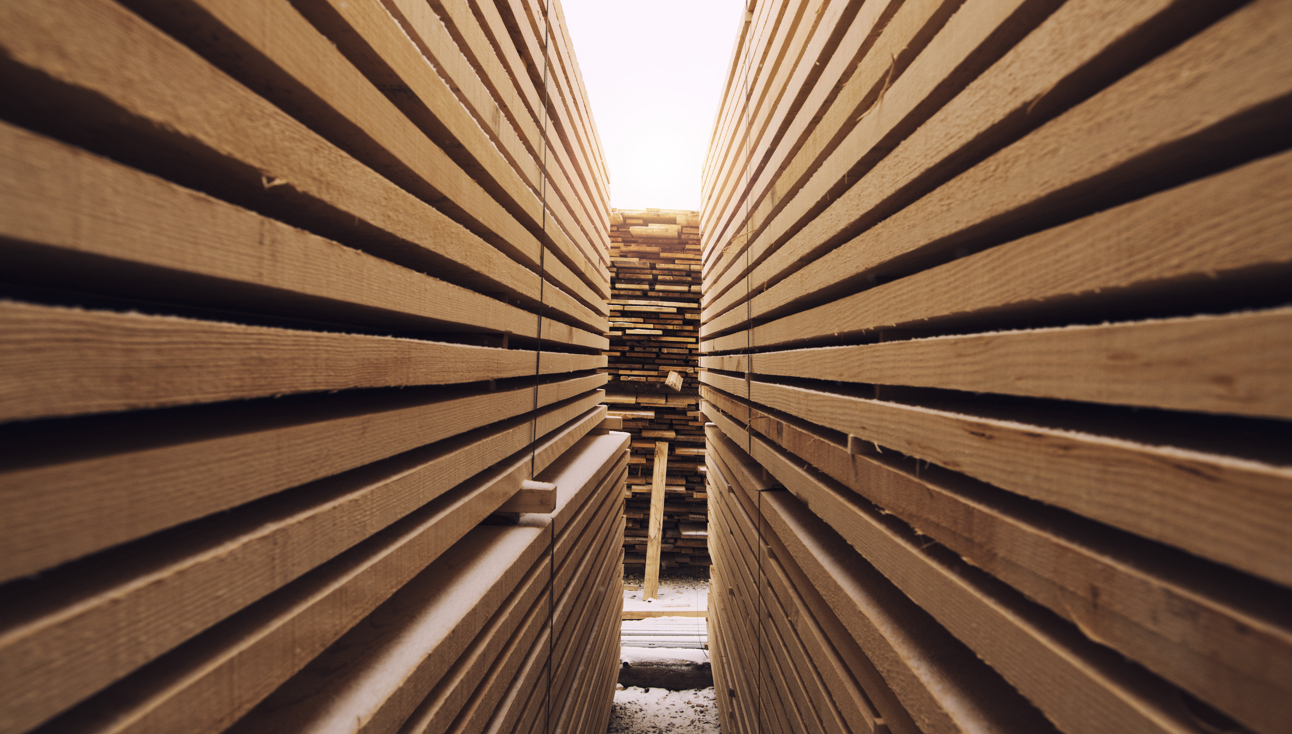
<point>655,710</point>
<point>677,590</point>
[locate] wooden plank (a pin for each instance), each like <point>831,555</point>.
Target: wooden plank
<point>62,506</point>
<point>957,692</point>
<point>1230,510</point>
<point>97,51</point>
<point>532,497</point>
<point>157,585</point>
<point>583,613</point>
<point>437,715</point>
<point>1233,364</point>
<point>1223,645</point>
<point>529,686</point>
<point>57,193</point>
<point>789,41</point>
<point>837,62</point>
<point>1217,226</point>
<point>952,58</point>
<point>251,654</point>
<point>1071,49</point>
<point>596,649</point>
<point>1243,73</point>
<point>295,67</point>
<point>572,472</point>
<point>365,33</point>
<point>886,712</point>
<point>655,533</point>
<point>567,437</point>
<point>653,613</point>
<point>68,361</point>
<point>1082,687</point>
<point>378,672</point>
<point>836,691</point>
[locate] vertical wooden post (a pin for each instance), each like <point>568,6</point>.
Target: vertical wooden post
<point>656,531</point>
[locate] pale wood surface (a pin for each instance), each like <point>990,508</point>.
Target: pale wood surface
<point>1077,685</point>
<point>1236,364</point>
<point>1227,509</point>
<point>80,45</point>
<point>66,361</point>
<point>47,657</point>
<point>1243,71</point>
<point>58,510</point>
<point>1228,645</point>
<point>71,202</point>
<point>284,632</point>
<point>943,696</point>
<point>395,656</point>
<point>655,532</point>
<point>1227,223</point>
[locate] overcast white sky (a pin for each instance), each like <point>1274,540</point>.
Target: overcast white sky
<point>654,71</point>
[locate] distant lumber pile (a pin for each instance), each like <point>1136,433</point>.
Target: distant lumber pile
<point>303,308</point>
<point>998,363</point>
<point>653,361</point>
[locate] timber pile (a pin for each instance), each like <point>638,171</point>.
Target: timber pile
<point>998,359</point>
<point>303,307</point>
<point>654,319</point>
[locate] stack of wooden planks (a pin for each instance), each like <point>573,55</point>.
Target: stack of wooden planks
<point>654,320</point>
<point>303,309</point>
<point>998,363</point>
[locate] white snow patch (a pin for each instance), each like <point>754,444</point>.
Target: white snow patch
<point>662,655</point>
<point>655,710</point>
<point>680,593</point>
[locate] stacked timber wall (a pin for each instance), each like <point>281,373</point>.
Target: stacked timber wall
<point>303,307</point>
<point>997,354</point>
<point>654,324</point>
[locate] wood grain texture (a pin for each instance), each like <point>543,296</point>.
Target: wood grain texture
<point>282,633</point>
<point>1229,223</point>
<point>1118,129</point>
<point>96,48</point>
<point>70,206</point>
<point>1223,508</point>
<point>1218,639</point>
<point>651,587</point>
<point>69,361</point>
<point>57,509</point>
<point>1235,364</point>
<point>142,602</point>
<point>1076,684</point>
<point>383,668</point>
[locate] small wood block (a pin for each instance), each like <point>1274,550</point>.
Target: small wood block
<point>674,380</point>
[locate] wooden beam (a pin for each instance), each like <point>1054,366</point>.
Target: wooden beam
<point>1229,510</point>
<point>1233,364</point>
<point>68,361</point>
<point>655,531</point>
<point>1223,645</point>
<point>251,552</point>
<point>1217,227</point>
<point>61,510</point>
<point>654,613</point>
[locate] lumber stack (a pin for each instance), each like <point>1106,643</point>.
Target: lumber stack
<point>303,309</point>
<point>997,354</point>
<point>654,319</point>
